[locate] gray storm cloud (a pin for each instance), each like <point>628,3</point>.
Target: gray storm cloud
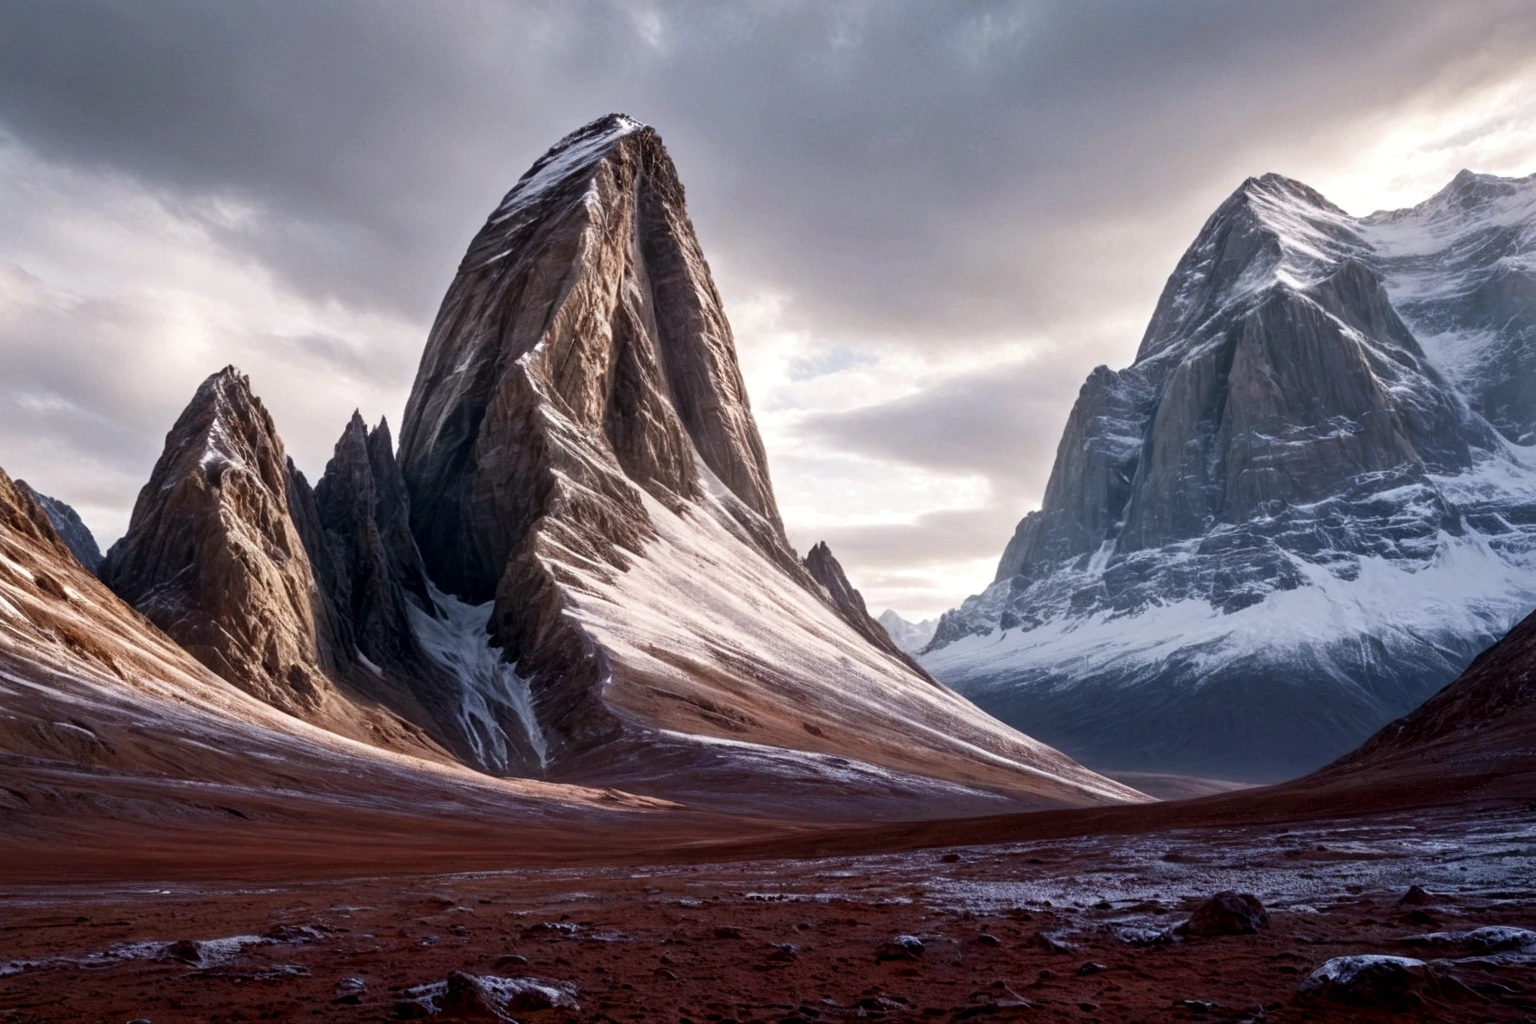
<point>928,186</point>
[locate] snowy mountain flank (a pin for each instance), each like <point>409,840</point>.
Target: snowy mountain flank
<point>1303,508</point>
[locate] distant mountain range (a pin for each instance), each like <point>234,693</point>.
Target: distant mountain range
<point>909,636</point>
<point>1304,507</point>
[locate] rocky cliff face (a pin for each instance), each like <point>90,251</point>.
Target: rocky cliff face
<point>420,651</point>
<point>216,556</point>
<point>1287,521</point>
<point>69,526</point>
<point>828,573</point>
<point>581,459</point>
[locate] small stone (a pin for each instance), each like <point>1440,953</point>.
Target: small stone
<point>1416,896</point>
<point>350,991</point>
<point>950,858</point>
<point>986,939</point>
<point>509,960</point>
<point>1091,968</point>
<point>184,950</point>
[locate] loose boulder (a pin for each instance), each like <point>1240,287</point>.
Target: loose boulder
<point>1226,913</point>
<point>1395,983</point>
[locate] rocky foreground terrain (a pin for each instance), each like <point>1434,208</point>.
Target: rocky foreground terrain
<point>1302,509</point>
<point>1420,916</point>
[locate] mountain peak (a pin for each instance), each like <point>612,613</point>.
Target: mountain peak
<point>1290,441</point>
<point>584,469</point>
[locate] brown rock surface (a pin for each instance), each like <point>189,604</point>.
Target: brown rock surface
<point>1483,723</point>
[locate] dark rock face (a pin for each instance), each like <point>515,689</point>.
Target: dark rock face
<point>374,567</point>
<point>413,649</point>
<point>1247,532</point>
<point>212,555</point>
<point>828,572</point>
<point>580,455</point>
<point>71,529</point>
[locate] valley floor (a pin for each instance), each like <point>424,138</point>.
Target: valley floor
<point>1060,929</point>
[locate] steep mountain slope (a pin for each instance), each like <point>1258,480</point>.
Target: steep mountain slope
<point>1482,724</point>
<point>582,461</point>
<point>1283,524</point>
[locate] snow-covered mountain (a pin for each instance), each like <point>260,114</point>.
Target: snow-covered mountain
<point>1303,508</point>
<point>909,636</point>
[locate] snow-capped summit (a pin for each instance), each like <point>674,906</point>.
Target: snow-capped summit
<point>1298,512</point>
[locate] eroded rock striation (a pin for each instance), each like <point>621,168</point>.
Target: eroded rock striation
<point>579,452</point>
<point>1300,511</point>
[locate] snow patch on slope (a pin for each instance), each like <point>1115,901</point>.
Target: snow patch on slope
<point>459,642</point>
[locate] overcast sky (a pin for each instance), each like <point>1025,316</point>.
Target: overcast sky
<point>928,221</point>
